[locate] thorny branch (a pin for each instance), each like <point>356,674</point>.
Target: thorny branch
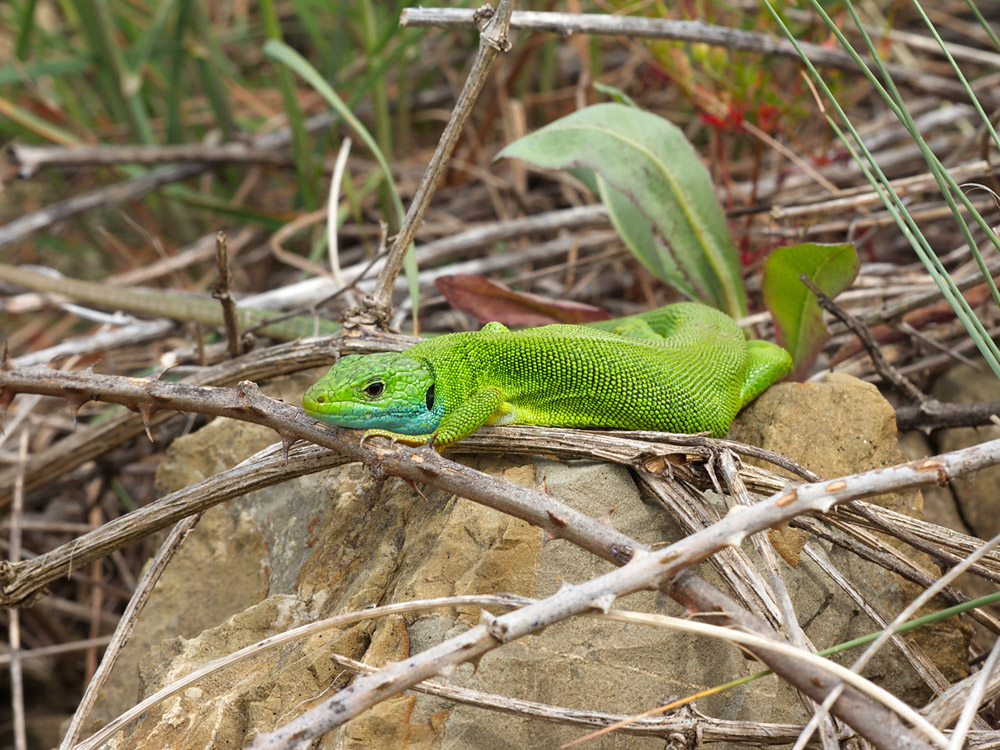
<point>642,570</point>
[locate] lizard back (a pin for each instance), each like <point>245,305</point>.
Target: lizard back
<point>572,376</point>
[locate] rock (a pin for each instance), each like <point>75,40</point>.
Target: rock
<point>975,494</point>
<point>228,549</point>
<point>837,427</point>
<point>339,541</point>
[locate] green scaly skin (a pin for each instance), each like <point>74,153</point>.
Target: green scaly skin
<point>682,368</point>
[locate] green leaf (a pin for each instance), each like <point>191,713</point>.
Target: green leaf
<point>615,93</point>
<point>657,191</point>
<point>797,315</point>
<point>636,232</point>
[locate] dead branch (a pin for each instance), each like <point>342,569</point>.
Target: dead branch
<point>31,159</point>
<point>636,27</point>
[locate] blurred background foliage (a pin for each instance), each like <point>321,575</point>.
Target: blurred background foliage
<point>183,72</point>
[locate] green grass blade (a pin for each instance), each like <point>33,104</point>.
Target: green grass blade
<point>304,162</point>
<point>175,66</point>
<point>142,50</point>
<point>123,84</point>
<point>891,200</point>
<point>984,23</point>
<point>15,74</point>
<point>916,622</point>
<point>278,50</point>
<point>24,121</point>
<point>380,99</point>
<point>25,25</point>
<point>323,35</point>
<point>946,184</point>
<point>212,70</point>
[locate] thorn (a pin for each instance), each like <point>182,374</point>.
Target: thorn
<point>556,518</point>
<point>6,363</point>
<point>475,664</point>
<point>75,403</point>
<point>6,399</point>
<point>547,537</point>
<point>417,489</point>
<point>734,540</point>
<point>287,441</point>
<point>155,396</point>
<point>603,602</point>
<point>147,411</point>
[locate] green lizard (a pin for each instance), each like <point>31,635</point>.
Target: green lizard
<point>682,368</point>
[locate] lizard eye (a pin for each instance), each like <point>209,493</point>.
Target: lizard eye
<point>430,398</point>
<point>374,390</point>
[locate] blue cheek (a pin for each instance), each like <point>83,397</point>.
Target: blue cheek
<point>404,420</point>
<point>412,421</point>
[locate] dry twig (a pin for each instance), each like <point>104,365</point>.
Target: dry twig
<point>889,373</point>
<point>636,27</point>
<point>493,26</point>
<point>222,293</point>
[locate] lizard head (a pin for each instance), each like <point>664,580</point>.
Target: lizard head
<point>386,391</point>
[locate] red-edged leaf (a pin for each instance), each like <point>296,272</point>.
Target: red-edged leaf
<point>490,300</point>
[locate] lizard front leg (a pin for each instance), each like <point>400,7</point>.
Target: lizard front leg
<point>470,415</point>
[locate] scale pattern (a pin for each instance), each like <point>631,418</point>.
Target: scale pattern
<point>682,368</point>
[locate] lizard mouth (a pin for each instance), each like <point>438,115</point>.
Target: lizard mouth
<point>314,402</point>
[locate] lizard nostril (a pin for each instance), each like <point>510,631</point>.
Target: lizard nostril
<point>321,399</point>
